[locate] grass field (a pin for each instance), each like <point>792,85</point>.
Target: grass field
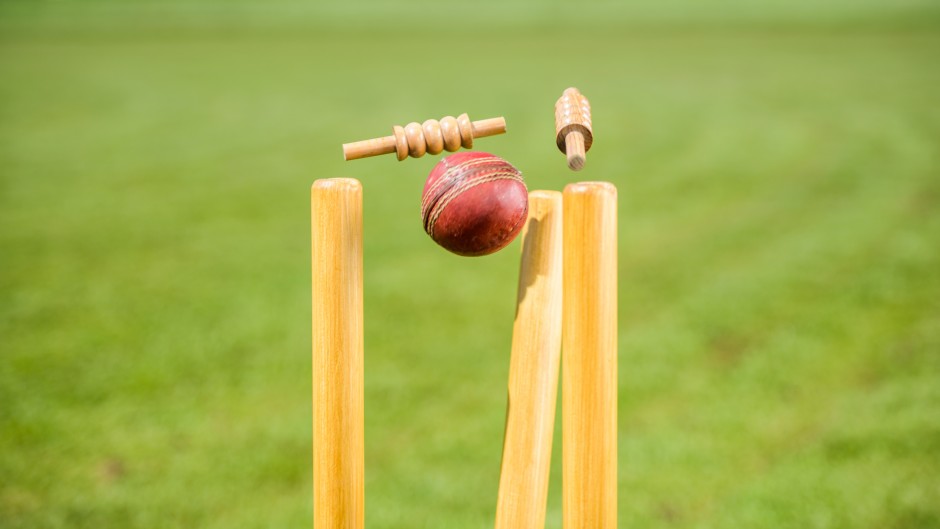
<point>779,264</point>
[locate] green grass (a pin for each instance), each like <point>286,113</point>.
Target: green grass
<point>779,257</point>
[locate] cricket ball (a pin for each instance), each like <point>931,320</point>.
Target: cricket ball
<point>474,203</point>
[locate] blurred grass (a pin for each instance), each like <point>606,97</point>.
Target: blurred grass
<point>480,17</point>
<point>779,313</point>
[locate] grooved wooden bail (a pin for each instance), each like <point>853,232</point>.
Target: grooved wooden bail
<point>432,137</point>
<point>573,133</point>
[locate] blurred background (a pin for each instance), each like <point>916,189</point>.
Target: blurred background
<point>778,165</point>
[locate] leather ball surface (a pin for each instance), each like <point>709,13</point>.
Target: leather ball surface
<point>474,203</point>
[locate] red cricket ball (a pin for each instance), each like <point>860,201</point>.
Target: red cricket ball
<point>474,203</point>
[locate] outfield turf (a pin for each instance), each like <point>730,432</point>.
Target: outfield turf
<point>779,269</point>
